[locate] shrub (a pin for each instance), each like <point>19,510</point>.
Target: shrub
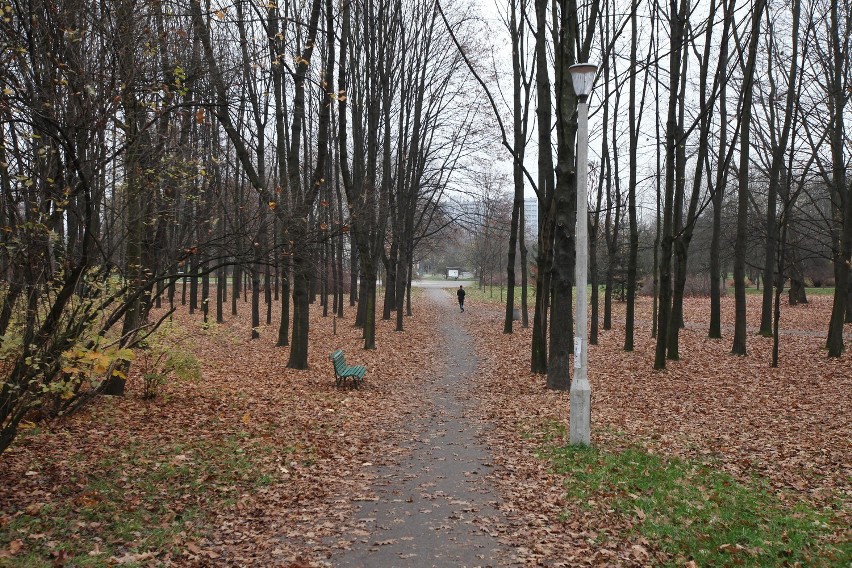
<point>60,346</point>
<point>697,285</point>
<point>162,357</point>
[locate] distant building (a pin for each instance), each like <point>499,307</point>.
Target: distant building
<point>531,217</point>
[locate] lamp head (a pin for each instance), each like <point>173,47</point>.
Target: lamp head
<point>583,75</point>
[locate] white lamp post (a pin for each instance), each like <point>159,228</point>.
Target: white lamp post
<point>580,427</point>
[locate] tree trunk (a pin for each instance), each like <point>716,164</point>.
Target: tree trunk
<point>137,159</point>
<point>739,344</point>
<point>633,254</point>
<point>538,362</point>
<point>255,301</point>
<point>841,194</point>
<point>593,275</point>
<point>525,318</point>
<point>721,181</point>
<point>677,19</point>
<point>565,197</point>
<point>680,233</point>
<point>779,149</point>
<point>303,203</point>
<point>519,143</point>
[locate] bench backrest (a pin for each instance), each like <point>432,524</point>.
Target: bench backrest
<point>339,362</point>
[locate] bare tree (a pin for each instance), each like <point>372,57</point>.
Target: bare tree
<point>837,71</point>
<point>739,343</point>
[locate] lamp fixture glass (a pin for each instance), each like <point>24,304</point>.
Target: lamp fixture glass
<point>583,75</point>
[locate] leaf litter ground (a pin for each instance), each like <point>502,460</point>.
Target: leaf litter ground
<point>789,427</point>
<point>257,464</point>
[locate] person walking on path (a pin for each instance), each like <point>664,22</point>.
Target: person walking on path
<point>460,293</point>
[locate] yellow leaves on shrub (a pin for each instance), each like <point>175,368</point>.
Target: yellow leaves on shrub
<point>93,362</point>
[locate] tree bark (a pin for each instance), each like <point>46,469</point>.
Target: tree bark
<point>565,198</point>
<point>538,360</point>
<point>304,203</point>
<point>678,16</point>
<point>739,344</point>
<point>842,195</point>
<point>633,253</point>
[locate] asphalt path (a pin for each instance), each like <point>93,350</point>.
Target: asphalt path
<point>436,507</point>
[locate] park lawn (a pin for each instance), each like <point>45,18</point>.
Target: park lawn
<point>715,461</point>
<point>718,460</point>
<point>250,464</point>
<point>696,512</point>
<point>497,294</point>
<point>823,291</point>
<point>146,502</point>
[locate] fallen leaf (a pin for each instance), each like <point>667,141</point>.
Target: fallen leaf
<point>193,548</point>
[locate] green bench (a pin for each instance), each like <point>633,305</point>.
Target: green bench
<point>342,371</point>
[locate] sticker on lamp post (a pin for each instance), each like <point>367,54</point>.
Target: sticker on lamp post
<point>578,348</point>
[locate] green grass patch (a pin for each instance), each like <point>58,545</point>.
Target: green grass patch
<point>140,500</point>
<point>694,512</point>
<point>820,291</point>
<point>497,294</point>
<point>753,291</point>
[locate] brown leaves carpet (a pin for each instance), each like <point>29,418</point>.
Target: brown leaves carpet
<point>317,445</point>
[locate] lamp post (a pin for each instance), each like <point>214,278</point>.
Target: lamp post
<point>580,426</point>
